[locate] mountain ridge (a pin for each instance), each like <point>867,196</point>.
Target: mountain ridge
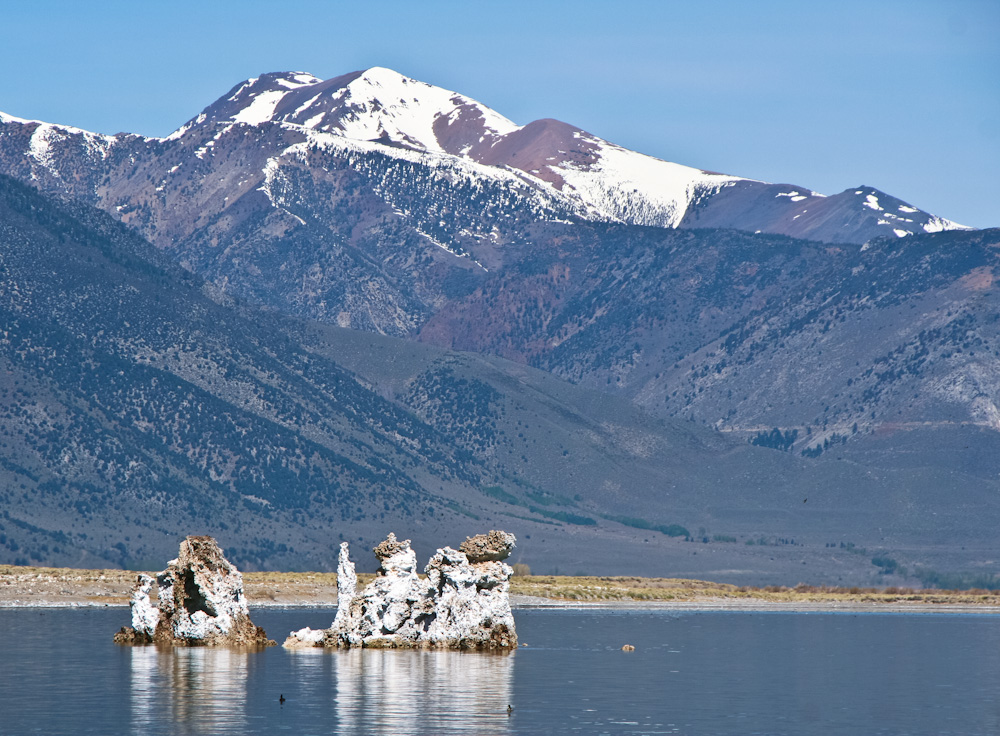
<point>381,106</point>
<point>499,144</point>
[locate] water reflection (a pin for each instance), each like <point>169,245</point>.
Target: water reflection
<point>199,689</point>
<point>422,692</point>
<point>311,677</point>
<point>728,674</point>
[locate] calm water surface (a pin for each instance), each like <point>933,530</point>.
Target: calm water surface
<point>692,673</point>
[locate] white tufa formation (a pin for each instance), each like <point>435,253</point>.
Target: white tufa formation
<point>460,604</point>
<point>145,615</point>
<point>200,602</point>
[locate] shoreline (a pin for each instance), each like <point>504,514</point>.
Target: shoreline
<point>30,587</point>
<point>747,605</point>
<point>759,605</point>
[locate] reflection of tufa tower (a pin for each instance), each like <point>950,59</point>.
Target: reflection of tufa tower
<point>201,690</point>
<point>428,691</point>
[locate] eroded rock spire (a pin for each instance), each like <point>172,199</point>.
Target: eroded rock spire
<point>463,603</point>
<point>200,602</point>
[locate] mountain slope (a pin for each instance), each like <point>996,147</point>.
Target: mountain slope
<point>864,365</point>
<point>136,409</point>
<point>589,450</point>
<point>139,404</point>
<point>131,399</point>
<point>748,333</point>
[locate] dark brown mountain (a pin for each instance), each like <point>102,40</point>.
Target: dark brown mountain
<point>748,333</point>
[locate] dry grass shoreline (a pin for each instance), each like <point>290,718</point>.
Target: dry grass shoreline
<point>45,586</point>
<point>701,595</point>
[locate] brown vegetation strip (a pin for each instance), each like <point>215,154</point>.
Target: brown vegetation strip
<point>54,586</point>
<point>677,589</point>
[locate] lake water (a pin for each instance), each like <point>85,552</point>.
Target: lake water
<point>734,673</point>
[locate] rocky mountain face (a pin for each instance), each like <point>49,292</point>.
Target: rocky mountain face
<point>652,350</point>
<point>749,332</point>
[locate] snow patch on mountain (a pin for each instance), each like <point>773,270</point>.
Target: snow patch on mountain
<point>938,224</point>
<point>305,106</point>
<point>384,105</point>
<point>448,167</point>
<point>64,130</point>
<point>453,251</point>
<point>314,121</point>
<point>40,145</point>
<point>274,183</point>
<point>179,133</point>
<point>871,202</point>
<point>892,215</point>
<point>261,110</point>
<point>632,187</point>
<point>299,79</point>
<point>262,104</point>
<point>47,137</point>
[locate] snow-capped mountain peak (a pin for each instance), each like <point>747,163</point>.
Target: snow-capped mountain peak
<point>381,110</point>
<point>606,181</point>
<point>383,105</point>
<point>377,104</point>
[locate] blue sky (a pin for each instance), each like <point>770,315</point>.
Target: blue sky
<point>903,96</point>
